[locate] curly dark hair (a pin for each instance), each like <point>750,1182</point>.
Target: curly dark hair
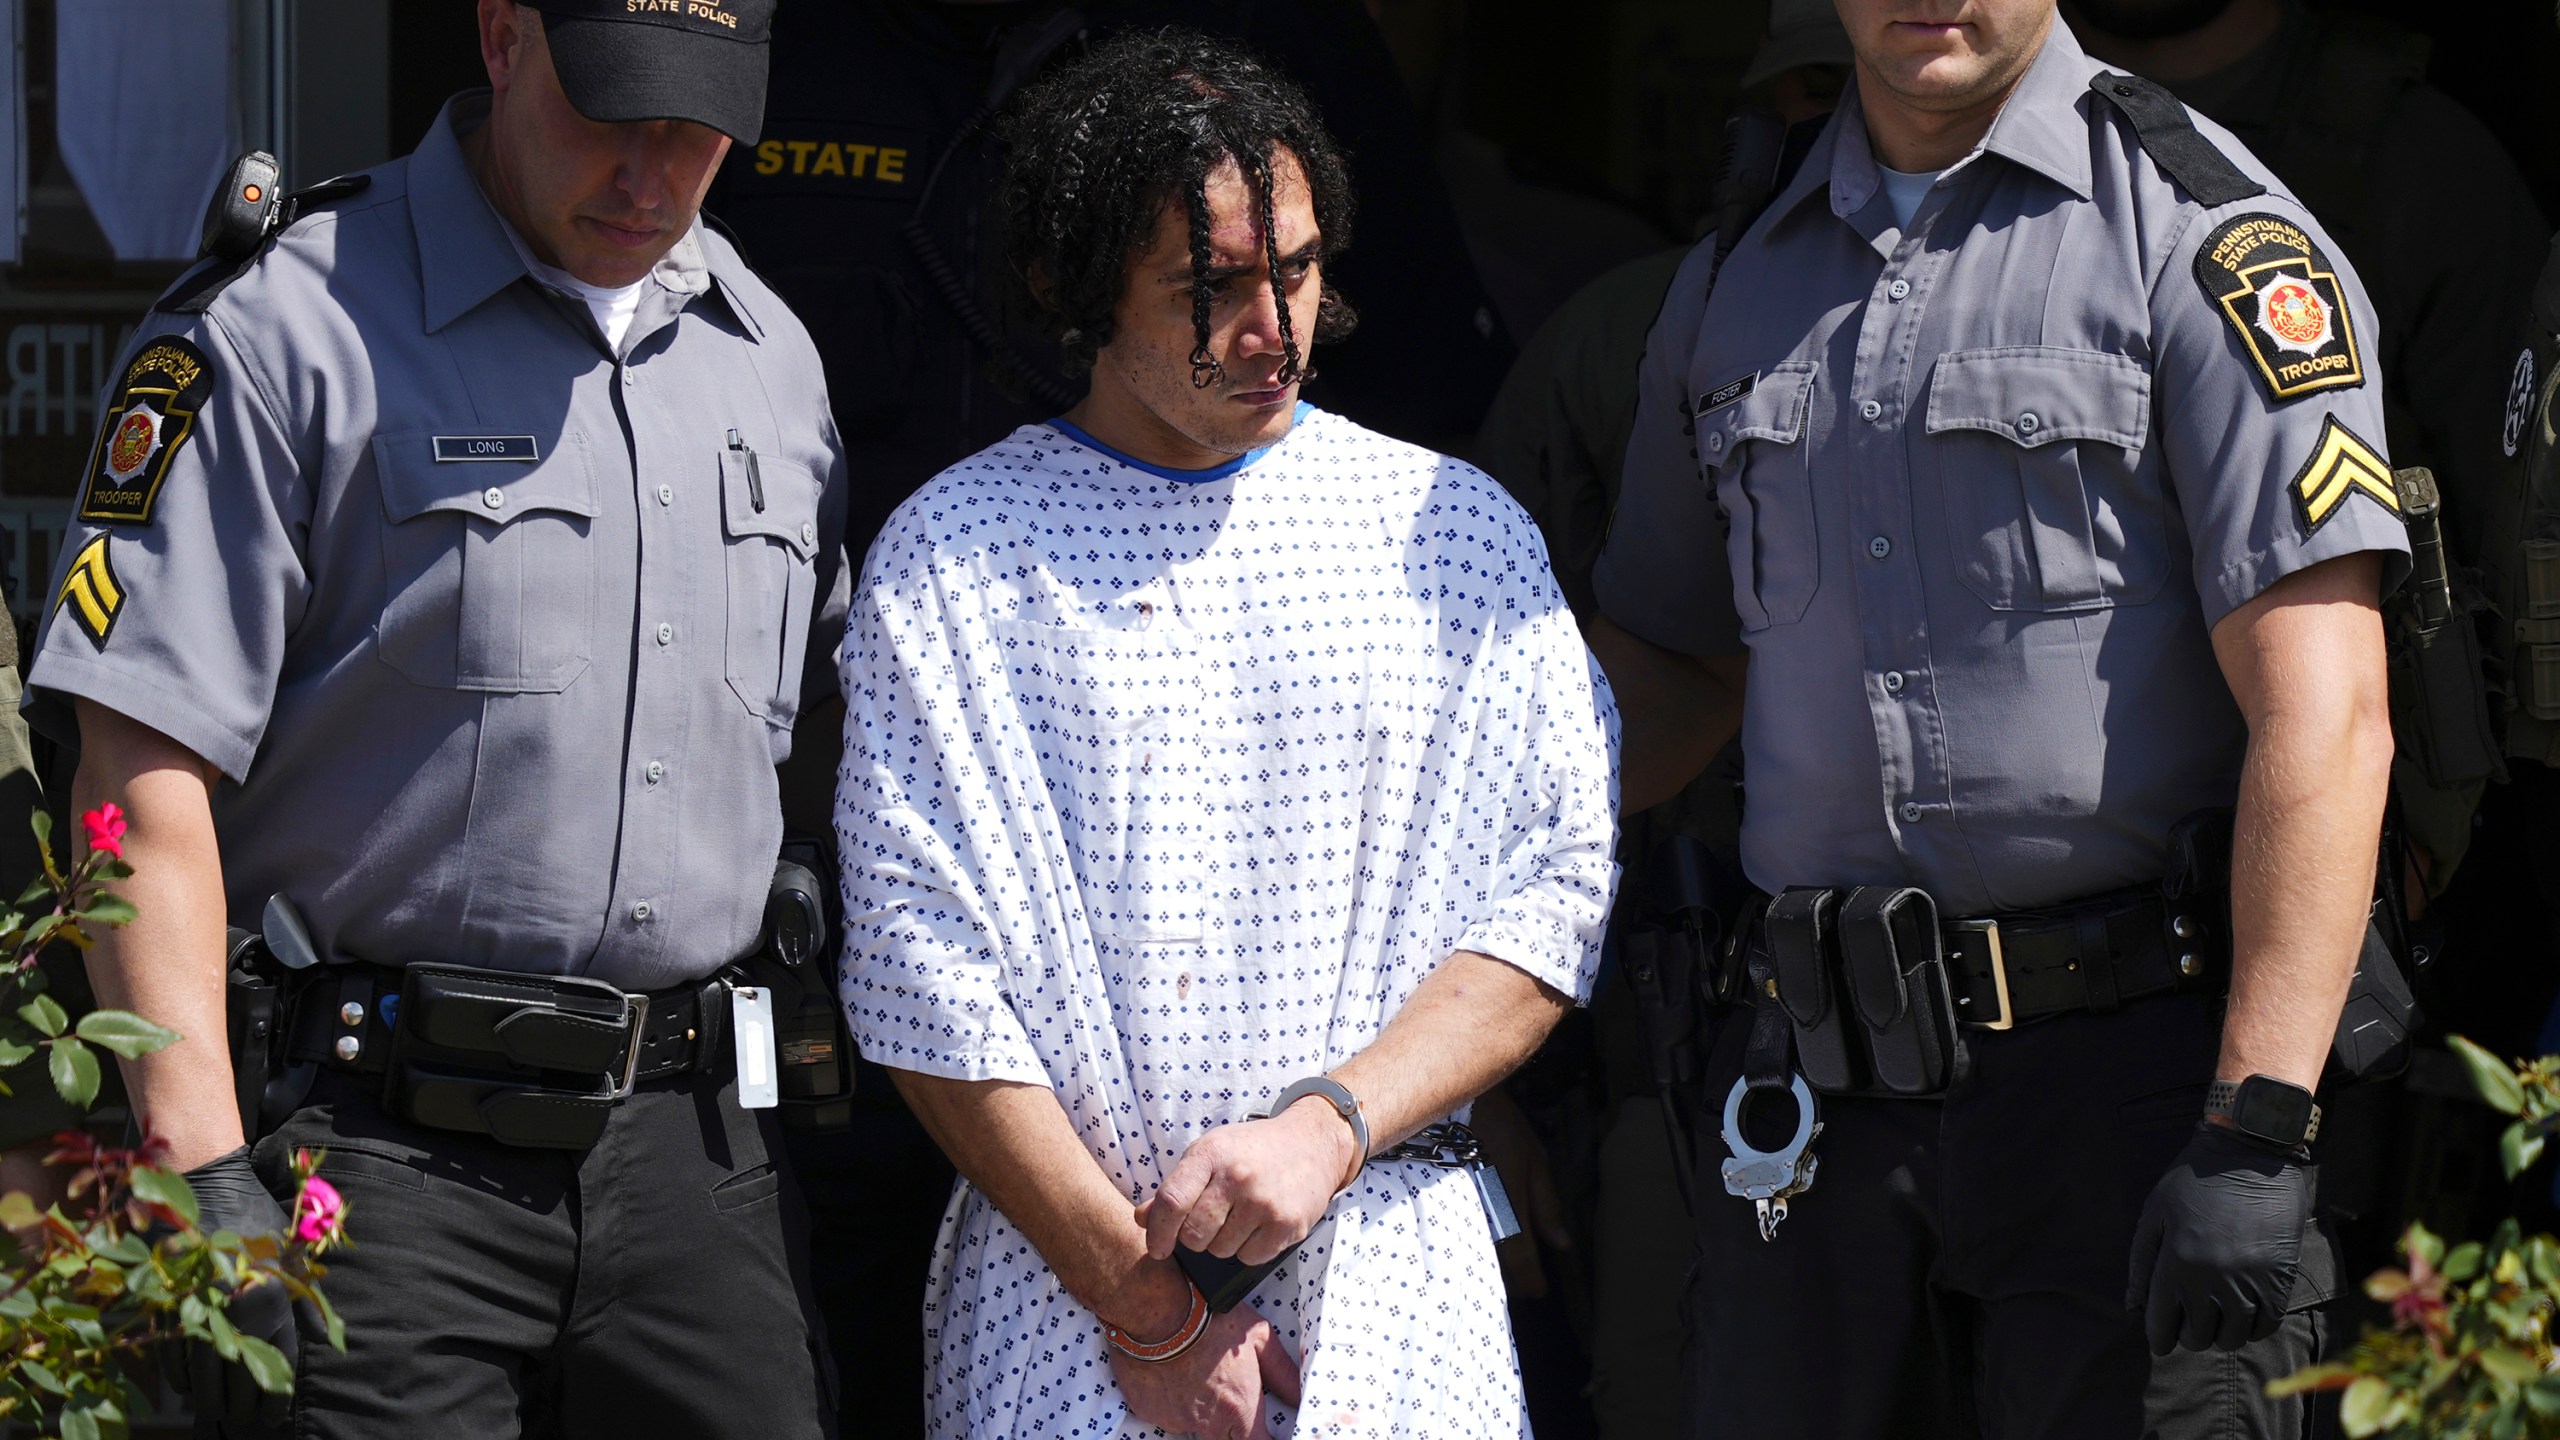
<point>1100,146</point>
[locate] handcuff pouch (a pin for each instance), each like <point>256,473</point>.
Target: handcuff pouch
<point>1800,928</point>
<point>1896,978</point>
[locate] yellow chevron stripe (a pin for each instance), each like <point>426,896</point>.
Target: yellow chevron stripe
<point>2340,466</point>
<point>90,592</point>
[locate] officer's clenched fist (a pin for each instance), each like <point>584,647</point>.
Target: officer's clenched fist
<point>2218,1244</point>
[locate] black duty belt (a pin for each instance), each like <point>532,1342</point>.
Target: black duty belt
<point>532,1060</point>
<point>1868,990</point>
<point>2093,955</point>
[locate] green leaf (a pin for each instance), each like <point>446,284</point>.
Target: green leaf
<point>2519,1145</point>
<point>75,1071</point>
<point>2368,1401</point>
<point>44,1378</point>
<point>2462,1262</point>
<point>2516,1367</point>
<point>166,1187</point>
<point>267,1365</point>
<point>12,1053</point>
<point>41,822</point>
<point>2310,1377</point>
<point>18,1211</point>
<point>329,1317</point>
<point>104,909</point>
<point>2422,1243</point>
<point>124,1032</point>
<point>226,1336</point>
<point>46,1014</point>
<point>2494,1078</point>
<point>79,1425</point>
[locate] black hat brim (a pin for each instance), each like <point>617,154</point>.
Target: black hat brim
<point>617,71</point>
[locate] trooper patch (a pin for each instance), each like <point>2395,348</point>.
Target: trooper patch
<point>2282,297</point>
<point>91,595</point>
<point>2519,403</point>
<point>2341,466</point>
<point>150,419</point>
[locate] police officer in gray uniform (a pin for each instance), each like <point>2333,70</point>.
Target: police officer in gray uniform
<point>2017,480</point>
<point>447,570</point>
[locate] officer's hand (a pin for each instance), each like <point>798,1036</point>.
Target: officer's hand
<point>1214,1389</point>
<point>2214,1256</point>
<point>229,1197</point>
<point>1252,1190</point>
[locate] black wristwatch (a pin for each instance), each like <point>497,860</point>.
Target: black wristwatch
<point>2271,1111</point>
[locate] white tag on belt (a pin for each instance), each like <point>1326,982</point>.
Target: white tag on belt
<point>751,1033</point>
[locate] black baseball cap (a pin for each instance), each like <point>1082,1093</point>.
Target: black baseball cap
<point>699,60</point>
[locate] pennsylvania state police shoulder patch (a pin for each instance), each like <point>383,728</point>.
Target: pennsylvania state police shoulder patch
<point>2283,298</point>
<point>2341,465</point>
<point>152,416</point>
<point>91,596</point>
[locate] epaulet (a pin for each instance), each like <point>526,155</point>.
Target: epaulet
<point>2172,141</point>
<point>240,227</point>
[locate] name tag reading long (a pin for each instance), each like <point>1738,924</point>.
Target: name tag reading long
<point>450,448</point>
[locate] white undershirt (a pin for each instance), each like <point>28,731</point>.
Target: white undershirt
<point>1903,190</point>
<point>612,308</point>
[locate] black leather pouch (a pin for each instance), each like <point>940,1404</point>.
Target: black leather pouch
<point>1800,930</point>
<point>1224,1282</point>
<point>1897,982</point>
<point>528,1059</point>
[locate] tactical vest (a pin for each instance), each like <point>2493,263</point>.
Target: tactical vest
<point>2523,569</point>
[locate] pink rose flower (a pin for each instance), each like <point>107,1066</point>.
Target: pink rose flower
<point>318,1211</point>
<point>106,829</point>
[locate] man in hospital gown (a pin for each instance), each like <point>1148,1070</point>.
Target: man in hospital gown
<point>1201,744</point>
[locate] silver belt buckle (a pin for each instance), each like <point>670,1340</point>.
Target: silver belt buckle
<point>635,1019</point>
<point>1990,931</point>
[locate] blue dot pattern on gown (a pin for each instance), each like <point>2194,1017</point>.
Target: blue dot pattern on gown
<point>1165,794</point>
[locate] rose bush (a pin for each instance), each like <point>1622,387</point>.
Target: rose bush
<point>118,1272</point>
<point>2469,1348</point>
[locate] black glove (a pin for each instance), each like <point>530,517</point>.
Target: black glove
<point>2220,1239</point>
<point>230,1197</point>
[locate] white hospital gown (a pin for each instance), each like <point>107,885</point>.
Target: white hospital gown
<point>1165,794</point>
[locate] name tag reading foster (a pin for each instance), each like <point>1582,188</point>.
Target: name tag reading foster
<point>451,448</point>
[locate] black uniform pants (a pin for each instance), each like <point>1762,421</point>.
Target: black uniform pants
<point>876,1192</point>
<point>1958,1268</point>
<point>655,1284</point>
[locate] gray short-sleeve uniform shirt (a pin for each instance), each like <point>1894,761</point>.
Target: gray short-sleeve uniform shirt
<point>497,635</point>
<point>1973,495</point>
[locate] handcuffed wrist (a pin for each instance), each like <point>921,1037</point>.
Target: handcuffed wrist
<point>1195,1323</point>
<point>1344,1104</point>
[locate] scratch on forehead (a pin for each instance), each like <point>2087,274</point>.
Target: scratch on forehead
<point>1235,211</point>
